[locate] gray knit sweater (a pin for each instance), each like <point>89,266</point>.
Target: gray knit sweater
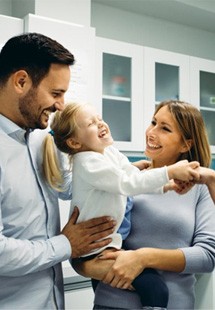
<point>170,221</point>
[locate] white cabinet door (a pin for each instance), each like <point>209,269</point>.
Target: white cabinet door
<point>10,26</point>
<point>80,41</point>
<point>203,92</point>
<point>166,76</point>
<point>79,299</point>
<point>119,90</point>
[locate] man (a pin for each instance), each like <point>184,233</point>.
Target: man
<point>34,76</point>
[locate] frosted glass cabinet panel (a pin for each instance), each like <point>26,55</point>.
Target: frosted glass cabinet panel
<point>119,90</point>
<point>166,76</point>
<point>166,82</point>
<point>117,114</point>
<point>116,90</point>
<point>116,75</point>
<point>203,93</point>
<point>207,89</point>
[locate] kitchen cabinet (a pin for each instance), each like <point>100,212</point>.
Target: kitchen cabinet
<point>202,85</point>
<point>166,76</point>
<point>119,91</point>
<point>131,80</point>
<point>79,299</point>
<point>80,41</point>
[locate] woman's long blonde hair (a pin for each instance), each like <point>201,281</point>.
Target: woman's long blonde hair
<point>63,127</point>
<point>191,126</point>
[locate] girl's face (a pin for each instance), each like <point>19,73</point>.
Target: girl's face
<point>164,143</point>
<point>92,134</point>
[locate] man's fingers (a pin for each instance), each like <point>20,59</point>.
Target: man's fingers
<point>74,216</point>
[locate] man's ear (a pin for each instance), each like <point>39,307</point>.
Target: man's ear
<point>21,81</point>
<point>187,146</point>
<point>73,144</point>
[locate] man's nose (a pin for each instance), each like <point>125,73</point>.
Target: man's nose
<point>59,105</point>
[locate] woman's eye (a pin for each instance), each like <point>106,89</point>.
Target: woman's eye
<point>166,129</point>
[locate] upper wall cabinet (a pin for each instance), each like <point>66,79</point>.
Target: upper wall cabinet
<point>10,26</point>
<point>119,91</point>
<point>131,80</point>
<point>202,77</point>
<point>80,41</point>
<point>166,76</point>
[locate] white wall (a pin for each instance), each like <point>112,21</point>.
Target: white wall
<point>76,11</point>
<point>73,11</point>
<point>140,29</point>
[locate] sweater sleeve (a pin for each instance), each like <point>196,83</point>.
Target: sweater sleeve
<point>200,257</point>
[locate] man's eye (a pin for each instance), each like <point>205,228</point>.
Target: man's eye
<point>55,95</point>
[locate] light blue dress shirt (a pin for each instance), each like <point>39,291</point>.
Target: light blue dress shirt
<point>31,248</point>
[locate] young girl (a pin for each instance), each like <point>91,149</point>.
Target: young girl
<point>102,176</point>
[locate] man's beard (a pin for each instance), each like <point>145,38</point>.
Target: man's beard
<point>27,109</point>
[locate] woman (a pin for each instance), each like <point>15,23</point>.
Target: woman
<point>102,178</point>
<point>172,233</point>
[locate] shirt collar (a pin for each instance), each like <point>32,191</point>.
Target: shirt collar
<point>12,129</point>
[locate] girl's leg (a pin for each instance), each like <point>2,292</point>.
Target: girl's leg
<point>152,289</point>
<point>93,268</point>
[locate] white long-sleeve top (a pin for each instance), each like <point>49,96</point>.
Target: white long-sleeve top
<point>102,182</point>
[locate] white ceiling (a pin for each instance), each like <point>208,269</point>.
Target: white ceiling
<point>195,13</point>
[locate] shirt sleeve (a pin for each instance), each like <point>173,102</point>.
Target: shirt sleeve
<point>20,257</point>
<point>200,257</point>
<point>125,226</point>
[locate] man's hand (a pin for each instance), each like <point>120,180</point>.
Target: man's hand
<point>180,187</point>
<point>84,236</point>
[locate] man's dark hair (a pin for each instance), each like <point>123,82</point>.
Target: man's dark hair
<point>34,53</point>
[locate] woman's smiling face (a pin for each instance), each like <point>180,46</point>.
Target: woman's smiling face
<point>164,143</point>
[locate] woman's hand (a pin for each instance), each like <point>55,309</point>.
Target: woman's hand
<point>128,265</point>
<point>142,164</point>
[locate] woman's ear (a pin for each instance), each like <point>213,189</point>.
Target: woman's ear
<point>186,146</point>
<point>73,144</point>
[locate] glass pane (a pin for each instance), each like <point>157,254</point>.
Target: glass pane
<point>116,75</point>
<point>118,116</point>
<point>209,117</point>
<point>207,89</point>
<point>166,82</point>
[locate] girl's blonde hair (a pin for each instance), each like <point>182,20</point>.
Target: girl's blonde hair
<point>191,126</point>
<point>63,127</point>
